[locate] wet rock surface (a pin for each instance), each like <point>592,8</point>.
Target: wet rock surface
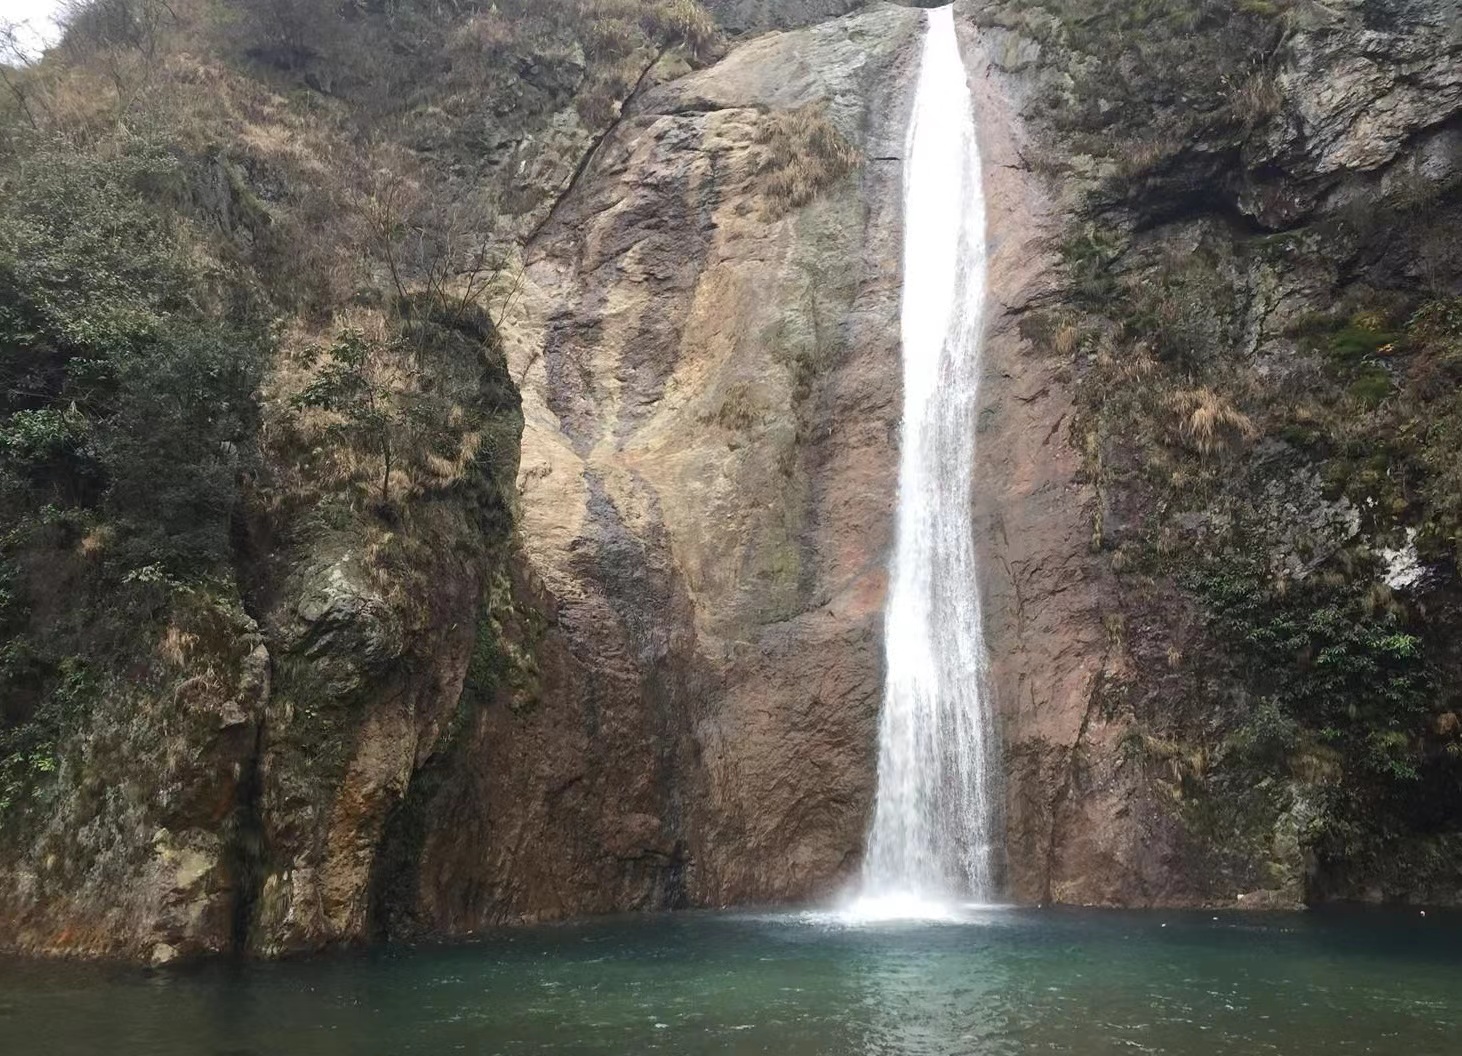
<point>1125,703</point>
<point>650,677</point>
<point>708,477</point>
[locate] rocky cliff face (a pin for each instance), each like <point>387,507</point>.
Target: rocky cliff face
<point>1218,393</point>
<point>647,679</point>
<point>708,366</point>
<point>588,617</point>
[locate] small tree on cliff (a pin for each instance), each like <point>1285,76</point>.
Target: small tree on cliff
<point>388,410</point>
<point>369,386</point>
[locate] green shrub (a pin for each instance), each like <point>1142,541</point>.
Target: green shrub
<point>126,418</point>
<point>1333,676</point>
<point>1353,344</point>
<point>1370,385</point>
<point>29,742</point>
<point>121,400</point>
<point>1268,735</point>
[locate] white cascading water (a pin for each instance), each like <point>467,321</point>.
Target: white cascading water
<point>933,838</point>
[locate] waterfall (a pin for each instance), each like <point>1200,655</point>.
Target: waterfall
<point>934,827</point>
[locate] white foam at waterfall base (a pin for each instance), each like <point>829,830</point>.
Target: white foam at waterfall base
<point>893,908</point>
<point>930,848</point>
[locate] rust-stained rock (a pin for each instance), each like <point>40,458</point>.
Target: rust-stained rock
<point>641,666</point>
<point>708,475</point>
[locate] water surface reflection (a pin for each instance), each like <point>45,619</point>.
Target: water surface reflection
<point>992,983</point>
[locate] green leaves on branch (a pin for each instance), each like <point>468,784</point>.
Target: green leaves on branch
<point>390,428</point>
<point>1318,656</point>
<point>1340,694</point>
<point>119,399</point>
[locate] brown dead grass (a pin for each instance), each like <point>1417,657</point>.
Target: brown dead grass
<point>1207,422</point>
<point>1257,99</point>
<point>1067,340</point>
<point>176,645</point>
<point>805,153</point>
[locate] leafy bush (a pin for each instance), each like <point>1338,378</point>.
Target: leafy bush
<point>1333,676</point>
<point>1325,659</point>
<point>126,417</point>
<point>121,401</point>
<point>28,747</point>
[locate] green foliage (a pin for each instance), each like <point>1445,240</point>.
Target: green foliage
<point>29,748</point>
<point>87,263</point>
<point>1355,344</point>
<point>40,441</point>
<point>1319,657</point>
<point>126,418</point>
<point>120,401</point>
<point>1089,256</point>
<point>1269,735</point>
<point>1342,695</point>
<point>1439,322</point>
<point>1355,350</point>
<point>1369,385</point>
<point>1440,458</point>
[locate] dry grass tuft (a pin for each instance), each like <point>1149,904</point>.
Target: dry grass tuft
<point>805,154</point>
<point>1144,156</point>
<point>625,39</point>
<point>1257,100</point>
<point>691,25</point>
<point>95,541</point>
<point>1067,339</point>
<point>177,645</point>
<point>618,27</point>
<point>1317,765</point>
<point>1207,422</point>
<point>1371,322</point>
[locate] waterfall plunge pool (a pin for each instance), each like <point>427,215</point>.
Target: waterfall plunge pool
<point>985,983</point>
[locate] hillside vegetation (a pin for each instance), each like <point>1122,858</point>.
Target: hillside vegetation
<point>253,259</point>
<point>1263,325</point>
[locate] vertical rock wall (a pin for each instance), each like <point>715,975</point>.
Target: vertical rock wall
<point>1175,212</point>
<point>1042,590</point>
<point>710,383</point>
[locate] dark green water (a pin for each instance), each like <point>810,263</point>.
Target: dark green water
<point>1004,982</point>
